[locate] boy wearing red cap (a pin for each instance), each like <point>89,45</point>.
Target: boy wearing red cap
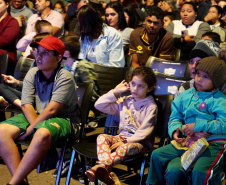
<point>52,90</point>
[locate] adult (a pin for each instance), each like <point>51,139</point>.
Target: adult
<point>44,12</point>
<point>169,6</point>
<point>9,33</point>
<point>99,43</point>
<point>187,31</point>
<point>151,40</point>
<point>203,8</point>
<point>131,16</point>
<point>114,16</point>
<point>216,24</point>
<point>52,89</point>
<point>19,11</point>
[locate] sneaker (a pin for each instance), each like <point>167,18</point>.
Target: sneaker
<point>92,124</point>
<point>3,102</point>
<point>64,169</point>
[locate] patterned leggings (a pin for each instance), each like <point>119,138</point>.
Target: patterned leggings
<point>108,159</point>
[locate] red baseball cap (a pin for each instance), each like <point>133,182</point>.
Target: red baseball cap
<point>50,43</point>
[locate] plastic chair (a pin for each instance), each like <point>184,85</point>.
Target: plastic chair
<point>168,67</point>
<point>109,77</point>
<point>3,65</point>
<point>84,94</point>
<point>89,150</point>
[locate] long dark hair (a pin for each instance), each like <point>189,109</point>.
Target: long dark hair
<point>8,9</point>
<point>148,77</point>
<point>117,6</point>
<point>133,17</point>
<point>90,22</point>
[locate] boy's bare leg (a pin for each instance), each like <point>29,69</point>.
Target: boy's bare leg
<point>8,148</point>
<point>33,156</point>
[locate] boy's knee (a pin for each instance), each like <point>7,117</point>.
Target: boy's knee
<point>42,135</point>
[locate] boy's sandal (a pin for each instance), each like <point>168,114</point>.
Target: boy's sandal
<point>91,175</point>
<point>103,175</point>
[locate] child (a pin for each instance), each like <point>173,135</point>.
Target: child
<point>137,123</point>
<point>203,110</point>
<point>41,26</point>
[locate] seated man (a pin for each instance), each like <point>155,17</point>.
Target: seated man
<point>44,12</point>
<point>52,89</point>
<point>151,40</point>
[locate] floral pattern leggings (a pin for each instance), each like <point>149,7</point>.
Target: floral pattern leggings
<point>108,158</point>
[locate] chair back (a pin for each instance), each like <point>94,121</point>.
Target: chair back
<point>84,95</point>
<point>176,54</point>
<point>177,69</point>
<point>167,84</point>
<point>109,77</point>
<point>164,111</point>
<point>22,67</point>
<point>3,65</point>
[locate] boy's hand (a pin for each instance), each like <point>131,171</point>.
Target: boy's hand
<point>176,136</point>
<point>189,129</point>
<point>116,145</point>
<point>120,88</point>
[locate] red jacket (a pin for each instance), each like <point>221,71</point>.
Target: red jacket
<point>9,33</point>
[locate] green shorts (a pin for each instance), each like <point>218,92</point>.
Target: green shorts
<point>58,127</point>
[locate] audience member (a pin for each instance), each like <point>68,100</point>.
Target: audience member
<point>104,3</point>
<point>222,4</point>
<point>169,6</point>
<point>19,11</point>
<point>202,10</point>
<point>148,4</point>
<point>74,7</point>
<point>55,107</point>
<point>60,7</point>
<point>137,114</point>
<point>168,18</point>
<point>9,33</point>
<point>100,43</point>
<point>131,16</point>
<point>11,89</point>
<point>187,31</point>
<point>44,12</point>
<point>216,24</point>
<point>199,112</point>
<point>152,40</point>
<point>41,26</point>
<point>115,18</point>
<point>203,48</point>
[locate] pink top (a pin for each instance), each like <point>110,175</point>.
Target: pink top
<point>137,118</point>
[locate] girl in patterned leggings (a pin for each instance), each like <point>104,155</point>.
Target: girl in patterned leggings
<point>137,114</point>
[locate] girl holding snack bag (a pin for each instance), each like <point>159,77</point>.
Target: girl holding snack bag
<point>202,110</point>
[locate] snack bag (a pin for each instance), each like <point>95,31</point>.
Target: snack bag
<point>189,158</point>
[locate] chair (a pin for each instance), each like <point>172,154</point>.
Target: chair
<point>22,67</point>
<point>167,84</point>
<point>176,54</point>
<point>84,94</point>
<point>109,77</point>
<point>177,69</point>
<point>89,150</point>
<point>3,65</point>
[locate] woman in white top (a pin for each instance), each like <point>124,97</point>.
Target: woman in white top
<point>115,18</point>
<point>187,31</point>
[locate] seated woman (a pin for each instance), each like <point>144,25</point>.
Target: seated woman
<point>100,43</point>
<point>187,31</point>
<point>115,18</point>
<point>216,24</point>
<point>9,33</point>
